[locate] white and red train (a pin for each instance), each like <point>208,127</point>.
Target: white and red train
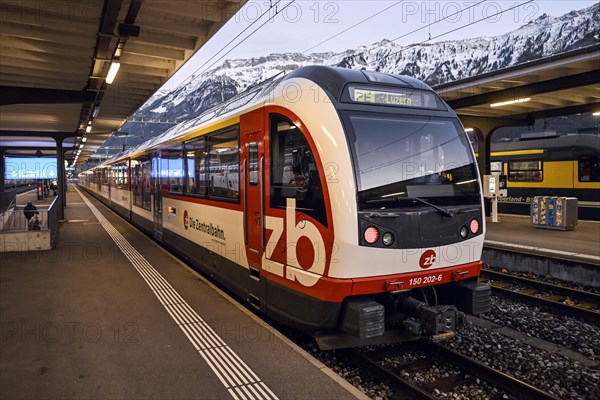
<point>343,203</point>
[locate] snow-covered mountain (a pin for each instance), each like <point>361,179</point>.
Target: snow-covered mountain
<point>433,63</point>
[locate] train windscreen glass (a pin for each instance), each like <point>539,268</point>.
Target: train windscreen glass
<point>399,157</point>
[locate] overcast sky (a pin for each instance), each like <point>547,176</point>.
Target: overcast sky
<point>303,25</point>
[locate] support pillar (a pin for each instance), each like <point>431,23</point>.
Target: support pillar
<point>2,170</point>
<point>60,169</point>
<point>484,128</point>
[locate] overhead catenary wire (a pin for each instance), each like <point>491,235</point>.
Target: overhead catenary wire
<point>430,38</point>
<point>352,27</point>
<point>399,37</point>
<point>437,21</point>
<point>277,12</point>
<point>237,36</point>
<point>460,27</point>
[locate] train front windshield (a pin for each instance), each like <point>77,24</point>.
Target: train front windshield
<point>399,157</point>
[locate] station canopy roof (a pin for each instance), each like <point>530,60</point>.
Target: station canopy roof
<point>567,83</point>
<point>55,57</point>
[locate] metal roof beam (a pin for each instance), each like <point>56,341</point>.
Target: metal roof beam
<point>588,54</point>
<point>43,34</point>
<point>552,85</point>
<point>23,61</point>
<point>20,95</point>
<point>23,80</point>
<point>10,43</point>
<point>203,11</point>
<point>556,112</point>
<point>146,61</point>
<point>44,134</point>
<point>163,39</point>
<point>149,50</point>
<point>159,23</point>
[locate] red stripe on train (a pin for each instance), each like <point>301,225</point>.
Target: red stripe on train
<point>335,290</point>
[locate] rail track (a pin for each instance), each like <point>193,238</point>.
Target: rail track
<point>473,371</point>
<point>559,299</point>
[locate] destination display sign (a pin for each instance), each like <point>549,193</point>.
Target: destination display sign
<point>399,98</point>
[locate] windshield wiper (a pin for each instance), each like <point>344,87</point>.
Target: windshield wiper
<point>447,213</point>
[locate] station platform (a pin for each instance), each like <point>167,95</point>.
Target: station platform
<point>516,231</point>
<point>569,255</point>
<point>110,314</point>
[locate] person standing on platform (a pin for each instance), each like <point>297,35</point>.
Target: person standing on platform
<point>29,211</point>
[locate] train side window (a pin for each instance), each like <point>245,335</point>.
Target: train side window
<point>172,162</point>
<point>253,163</point>
<point>224,165</point>
<point>140,182</point>
<point>146,188</point>
<point>119,175</point>
<point>197,176</point>
<point>104,177</point>
<point>294,173</point>
<point>589,169</point>
<point>136,182</point>
<point>525,171</point>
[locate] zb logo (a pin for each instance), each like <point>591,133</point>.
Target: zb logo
<point>427,259</point>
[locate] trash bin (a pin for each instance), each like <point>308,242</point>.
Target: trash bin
<point>554,212</point>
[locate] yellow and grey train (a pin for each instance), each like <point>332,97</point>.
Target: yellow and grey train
<point>553,165</point>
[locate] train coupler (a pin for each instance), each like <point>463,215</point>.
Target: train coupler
<point>429,320</point>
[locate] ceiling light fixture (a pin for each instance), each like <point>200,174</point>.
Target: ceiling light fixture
<point>84,139</point>
<point>468,129</point>
<point>509,102</point>
<point>88,129</point>
<point>112,72</point>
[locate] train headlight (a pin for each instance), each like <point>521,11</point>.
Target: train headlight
<point>464,232</point>
<point>387,239</point>
<point>474,226</point>
<point>371,235</point>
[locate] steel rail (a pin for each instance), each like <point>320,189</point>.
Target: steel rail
<point>510,384</point>
<point>411,390</point>
<point>557,289</point>
<point>555,306</point>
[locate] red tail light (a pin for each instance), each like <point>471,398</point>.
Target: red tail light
<point>371,235</point>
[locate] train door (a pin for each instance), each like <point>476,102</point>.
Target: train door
<point>253,162</point>
<point>157,196</point>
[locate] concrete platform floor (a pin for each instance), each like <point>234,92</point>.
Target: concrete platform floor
<point>87,321</point>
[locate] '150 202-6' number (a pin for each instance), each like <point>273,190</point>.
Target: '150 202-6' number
<point>425,279</point>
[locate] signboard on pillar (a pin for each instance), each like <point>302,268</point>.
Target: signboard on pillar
<point>23,168</point>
